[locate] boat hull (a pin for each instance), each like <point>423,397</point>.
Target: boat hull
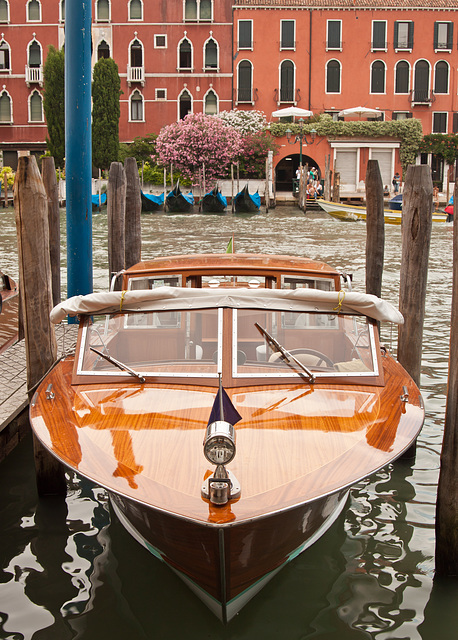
<point>150,205</point>
<point>244,203</point>
<point>227,565</point>
<point>213,202</point>
<point>9,309</point>
<point>354,213</point>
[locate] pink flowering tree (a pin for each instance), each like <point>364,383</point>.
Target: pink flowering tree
<point>195,141</point>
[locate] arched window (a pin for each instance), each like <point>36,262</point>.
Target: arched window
<point>211,103</point>
<point>333,72</point>
<point>190,10</point>
<point>244,81</point>
<point>378,77</point>
<point>103,10</point>
<point>5,107</point>
<point>136,54</point>
<point>286,81</point>
<point>4,11</point>
<point>401,84</point>
<point>103,50</point>
<point>136,106</point>
<point>4,56</point>
<point>36,107</point>
<point>211,54</point>
<point>441,77</point>
<point>185,104</point>
<point>421,82</point>
<point>33,11</point>
<point>62,10</point>
<point>135,10</point>
<point>34,57</point>
<point>185,55</point>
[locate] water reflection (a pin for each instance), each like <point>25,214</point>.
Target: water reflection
<point>70,571</point>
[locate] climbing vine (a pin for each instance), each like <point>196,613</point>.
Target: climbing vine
<point>409,132</point>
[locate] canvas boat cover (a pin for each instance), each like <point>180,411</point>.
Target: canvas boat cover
<point>178,298</point>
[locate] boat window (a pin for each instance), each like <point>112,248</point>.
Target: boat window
<point>151,282</point>
<point>246,281</point>
<point>298,282</point>
<point>329,345</point>
<point>163,343</point>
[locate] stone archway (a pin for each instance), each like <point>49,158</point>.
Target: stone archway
<point>285,170</point>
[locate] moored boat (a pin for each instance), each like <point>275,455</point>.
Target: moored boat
<point>9,308</point>
<point>178,202</point>
<point>151,202</point>
<point>227,403</point>
<point>354,213</point>
<point>213,201</point>
<point>245,202</point>
<point>98,200</point>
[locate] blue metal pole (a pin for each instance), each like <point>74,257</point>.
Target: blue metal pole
<point>78,146</point>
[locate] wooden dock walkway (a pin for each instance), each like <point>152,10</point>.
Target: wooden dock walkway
<point>14,423</point>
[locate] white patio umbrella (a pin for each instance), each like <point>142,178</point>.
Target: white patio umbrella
<point>288,112</point>
<point>359,111</point>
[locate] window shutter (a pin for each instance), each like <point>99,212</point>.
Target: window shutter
<point>5,108</point>
<point>396,32</point>
<point>436,35</point>
<point>450,36</point>
<point>455,122</point>
<point>410,35</point>
<point>36,112</point>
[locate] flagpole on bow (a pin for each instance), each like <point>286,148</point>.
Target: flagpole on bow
<point>221,406</point>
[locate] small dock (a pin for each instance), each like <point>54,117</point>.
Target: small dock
<point>14,422</point>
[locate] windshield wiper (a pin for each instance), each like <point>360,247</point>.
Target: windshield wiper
<point>285,354</point>
<point>118,364</point>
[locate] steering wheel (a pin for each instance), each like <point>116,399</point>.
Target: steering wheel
<point>321,357</point>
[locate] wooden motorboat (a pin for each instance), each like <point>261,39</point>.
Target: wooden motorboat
<point>9,309</point>
<point>354,213</point>
<point>151,202</point>
<point>178,202</point>
<point>246,202</point>
<point>227,403</point>
<point>213,201</point>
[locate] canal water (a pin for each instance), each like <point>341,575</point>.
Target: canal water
<point>68,570</point>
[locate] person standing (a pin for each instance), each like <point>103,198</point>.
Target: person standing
<point>396,180</point>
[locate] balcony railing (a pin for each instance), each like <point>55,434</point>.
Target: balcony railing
<point>422,96</point>
<point>244,95</point>
<point>34,75</point>
<point>136,74</point>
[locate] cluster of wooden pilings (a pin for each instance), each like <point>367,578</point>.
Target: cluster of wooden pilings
<point>38,224</point>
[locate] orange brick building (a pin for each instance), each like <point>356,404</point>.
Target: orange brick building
<point>398,57</point>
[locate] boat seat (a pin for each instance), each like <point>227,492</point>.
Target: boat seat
<point>307,359</point>
<point>351,365</point>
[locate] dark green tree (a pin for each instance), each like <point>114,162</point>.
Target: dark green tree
<point>106,89</point>
<point>141,148</point>
<point>54,103</point>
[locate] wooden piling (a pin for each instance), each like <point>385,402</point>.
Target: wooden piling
<point>133,229</point>
<point>336,187</point>
<point>417,208</point>
<point>31,211</point>
<point>327,177</point>
<point>116,216</point>
<point>447,494</point>
<point>375,228</point>
<point>48,170</point>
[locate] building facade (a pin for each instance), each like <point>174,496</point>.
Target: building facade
<point>174,57</point>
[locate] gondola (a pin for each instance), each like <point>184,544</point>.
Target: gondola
<point>98,200</point>
<point>151,202</point>
<point>9,308</point>
<point>244,202</point>
<point>213,201</point>
<point>178,202</point>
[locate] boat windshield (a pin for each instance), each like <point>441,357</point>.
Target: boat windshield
<point>189,344</point>
<point>329,345</point>
<point>162,343</point>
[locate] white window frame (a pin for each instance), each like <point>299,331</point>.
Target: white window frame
<point>185,69</point>
<point>332,93</point>
<point>447,23</point>
<point>211,90</point>
<point>29,101</point>
<point>281,63</point>
<point>27,11</point>
<point>129,19</point>
<point>408,23</point>
<point>328,48</point>
<point>4,72</point>
<point>443,133</point>
<point>446,93</point>
<point>211,69</point>
<point>7,13</point>
<point>377,93</point>
<point>156,90</point>
<point>198,18</point>
<point>130,106</point>
<point>250,48</point>
<point>160,35</point>
<point>409,86</point>
<point>293,48</point>
<point>61,13</point>
<point>103,20</point>
<point>184,90</point>
<point>11,120</point>
<point>385,48</point>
